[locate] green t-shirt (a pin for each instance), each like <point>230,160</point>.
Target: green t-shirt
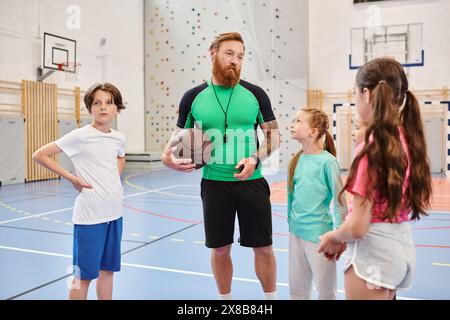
<point>317,182</point>
<point>248,107</point>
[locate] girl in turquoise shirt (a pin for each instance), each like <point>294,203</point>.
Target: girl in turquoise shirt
<point>314,182</point>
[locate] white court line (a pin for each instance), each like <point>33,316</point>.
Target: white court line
<point>143,266</point>
<point>438,212</point>
<point>151,191</point>
<point>70,208</point>
<point>209,275</point>
<point>178,195</point>
<point>45,253</point>
<point>190,185</point>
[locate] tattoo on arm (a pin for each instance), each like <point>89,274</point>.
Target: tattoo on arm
<point>272,142</point>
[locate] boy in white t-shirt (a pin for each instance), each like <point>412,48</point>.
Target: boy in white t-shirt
<point>98,154</point>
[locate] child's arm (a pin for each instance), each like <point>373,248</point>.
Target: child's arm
<point>289,204</point>
<point>43,157</point>
<point>120,164</point>
<point>336,186</point>
<point>354,227</point>
<point>358,223</point>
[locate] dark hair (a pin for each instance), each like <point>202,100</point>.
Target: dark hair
<point>318,119</point>
<point>107,87</point>
<point>230,36</point>
<point>387,161</point>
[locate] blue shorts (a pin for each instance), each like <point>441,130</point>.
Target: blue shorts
<point>96,247</point>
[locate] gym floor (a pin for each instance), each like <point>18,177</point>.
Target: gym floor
<point>163,250</point>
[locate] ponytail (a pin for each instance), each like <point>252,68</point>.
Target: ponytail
<point>385,78</point>
<point>420,187</point>
<point>329,144</point>
<point>384,104</point>
<point>387,162</point>
<point>291,170</point>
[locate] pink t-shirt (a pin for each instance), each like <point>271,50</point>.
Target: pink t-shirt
<point>361,183</point>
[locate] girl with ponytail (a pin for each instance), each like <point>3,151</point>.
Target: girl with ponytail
<point>314,180</point>
<point>391,183</point>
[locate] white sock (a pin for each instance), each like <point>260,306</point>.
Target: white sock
<point>226,296</point>
<point>271,295</point>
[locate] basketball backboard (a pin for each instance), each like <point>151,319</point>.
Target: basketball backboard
<point>59,53</point>
<point>401,42</point>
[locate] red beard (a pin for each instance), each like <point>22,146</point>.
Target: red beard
<point>226,75</point>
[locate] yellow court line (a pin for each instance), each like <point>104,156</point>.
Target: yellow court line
<point>132,184</point>
<point>135,234</point>
<point>441,264</point>
<point>13,209</point>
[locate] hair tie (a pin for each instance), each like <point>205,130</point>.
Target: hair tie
<point>382,81</point>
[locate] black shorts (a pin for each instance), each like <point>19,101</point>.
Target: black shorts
<point>250,199</point>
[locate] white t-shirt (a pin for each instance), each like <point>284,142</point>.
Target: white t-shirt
<point>94,156</point>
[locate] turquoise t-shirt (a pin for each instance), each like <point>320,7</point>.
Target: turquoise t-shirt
<point>316,182</point>
<point>249,107</point>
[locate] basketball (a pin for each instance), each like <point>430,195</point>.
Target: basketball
<point>192,144</point>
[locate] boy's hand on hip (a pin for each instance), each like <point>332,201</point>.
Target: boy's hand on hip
<point>79,184</point>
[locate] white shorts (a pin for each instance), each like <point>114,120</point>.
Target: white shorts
<point>385,257</point>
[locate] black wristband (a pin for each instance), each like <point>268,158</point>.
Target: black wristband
<point>258,161</point>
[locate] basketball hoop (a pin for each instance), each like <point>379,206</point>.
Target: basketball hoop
<point>71,69</point>
<point>58,54</point>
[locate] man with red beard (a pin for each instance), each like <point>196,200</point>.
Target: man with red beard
<point>229,110</point>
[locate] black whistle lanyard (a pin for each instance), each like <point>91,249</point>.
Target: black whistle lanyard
<point>225,112</point>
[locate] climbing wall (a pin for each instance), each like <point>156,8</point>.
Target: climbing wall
<point>177,37</point>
